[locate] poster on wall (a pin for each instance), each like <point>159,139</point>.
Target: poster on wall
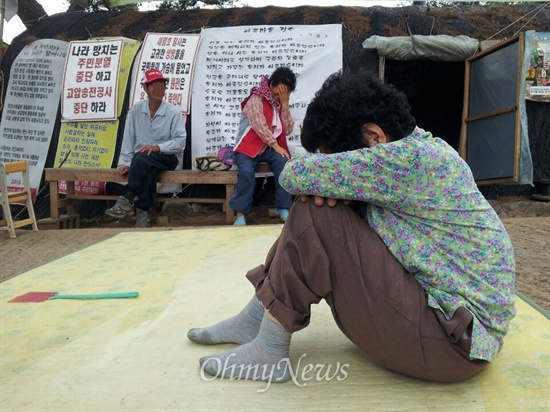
<point>233,59</point>
<point>86,144</point>
<point>537,78</point>
<point>31,103</point>
<point>174,55</point>
<point>90,83</point>
<point>92,143</point>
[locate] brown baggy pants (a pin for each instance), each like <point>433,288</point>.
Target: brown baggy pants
<point>333,254</point>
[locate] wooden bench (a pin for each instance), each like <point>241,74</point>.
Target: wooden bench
<point>71,175</point>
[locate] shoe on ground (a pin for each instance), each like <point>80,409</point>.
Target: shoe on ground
<point>142,219</point>
<point>283,213</point>
<point>240,221</point>
<point>121,208</point>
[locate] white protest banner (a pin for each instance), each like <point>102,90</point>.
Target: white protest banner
<point>32,100</point>
<point>232,60</point>
<point>93,144</point>
<point>91,80</point>
<point>174,55</point>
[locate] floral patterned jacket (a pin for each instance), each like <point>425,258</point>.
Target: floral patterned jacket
<point>424,204</point>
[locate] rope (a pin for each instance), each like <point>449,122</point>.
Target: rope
<point>541,8</point>
<point>537,10</point>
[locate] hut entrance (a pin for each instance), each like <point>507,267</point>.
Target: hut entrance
<point>436,94</point>
<point>430,71</point>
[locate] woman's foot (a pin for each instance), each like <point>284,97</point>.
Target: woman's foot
<point>241,328</point>
<point>266,358</point>
<point>240,221</point>
<point>283,213</point>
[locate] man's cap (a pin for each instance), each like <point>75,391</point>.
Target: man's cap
<point>151,75</point>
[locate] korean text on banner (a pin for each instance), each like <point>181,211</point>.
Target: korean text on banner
<point>93,144</point>
<point>232,61</point>
<point>32,99</point>
<point>174,55</point>
<point>91,80</point>
<point>86,144</point>
<point>94,138</point>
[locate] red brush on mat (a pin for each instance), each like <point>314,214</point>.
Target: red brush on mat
<point>43,296</point>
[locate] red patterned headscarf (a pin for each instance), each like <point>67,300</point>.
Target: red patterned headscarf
<point>263,90</point>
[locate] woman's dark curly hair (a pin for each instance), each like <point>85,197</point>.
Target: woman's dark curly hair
<point>283,75</point>
<point>347,100</point>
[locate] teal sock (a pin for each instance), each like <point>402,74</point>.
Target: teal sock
<point>241,328</point>
<point>264,359</point>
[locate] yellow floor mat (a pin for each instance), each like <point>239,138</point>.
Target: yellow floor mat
<point>133,354</point>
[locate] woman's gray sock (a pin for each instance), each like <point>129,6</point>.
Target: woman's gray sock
<point>264,359</point>
<point>241,328</point>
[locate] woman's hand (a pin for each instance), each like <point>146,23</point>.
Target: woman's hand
<point>284,96</point>
<point>320,201</point>
<point>279,150</point>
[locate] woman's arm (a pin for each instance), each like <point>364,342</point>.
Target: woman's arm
<point>369,175</point>
<point>287,121</point>
<point>254,110</point>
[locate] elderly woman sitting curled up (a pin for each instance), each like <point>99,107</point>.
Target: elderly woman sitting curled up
<point>415,265</point>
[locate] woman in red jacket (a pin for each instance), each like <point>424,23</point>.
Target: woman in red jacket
<point>265,123</point>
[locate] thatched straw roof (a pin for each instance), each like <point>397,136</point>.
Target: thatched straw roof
<point>479,22</point>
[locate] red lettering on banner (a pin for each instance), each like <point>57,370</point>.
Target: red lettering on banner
<point>86,76</point>
<point>80,107</point>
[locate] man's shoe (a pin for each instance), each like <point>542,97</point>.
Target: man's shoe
<point>240,221</point>
<point>142,219</point>
<point>121,208</point>
<point>283,213</point>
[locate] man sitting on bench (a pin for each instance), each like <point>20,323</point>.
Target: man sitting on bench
<point>153,136</point>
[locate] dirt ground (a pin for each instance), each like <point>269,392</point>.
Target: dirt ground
<point>528,224</point>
